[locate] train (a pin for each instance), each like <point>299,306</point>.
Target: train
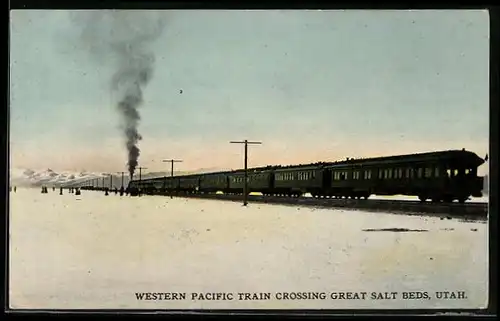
<point>439,176</point>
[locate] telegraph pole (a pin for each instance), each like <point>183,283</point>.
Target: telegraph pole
<point>140,178</point>
<point>122,176</point>
<point>121,188</point>
<point>245,185</point>
<point>172,161</point>
<point>140,173</point>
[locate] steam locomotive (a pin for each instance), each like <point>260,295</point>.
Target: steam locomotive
<point>443,176</point>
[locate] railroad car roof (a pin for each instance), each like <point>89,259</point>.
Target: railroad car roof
<point>298,167</point>
<point>448,156</point>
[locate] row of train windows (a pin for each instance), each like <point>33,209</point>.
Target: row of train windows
<point>241,179</point>
<point>392,173</point>
<point>217,179</point>
<point>301,176</point>
<point>338,176</point>
<point>396,173</point>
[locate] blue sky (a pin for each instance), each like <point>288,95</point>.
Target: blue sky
<point>311,85</point>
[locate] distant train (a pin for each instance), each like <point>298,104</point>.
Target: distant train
<point>443,176</point>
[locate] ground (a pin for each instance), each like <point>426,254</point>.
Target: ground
<point>97,251</point>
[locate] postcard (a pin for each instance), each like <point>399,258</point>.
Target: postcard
<point>248,159</point>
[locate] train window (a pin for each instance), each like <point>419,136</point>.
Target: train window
<point>436,171</point>
<point>389,173</point>
<point>370,174</point>
<point>419,173</point>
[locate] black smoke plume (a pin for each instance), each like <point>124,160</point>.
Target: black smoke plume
<point>124,38</point>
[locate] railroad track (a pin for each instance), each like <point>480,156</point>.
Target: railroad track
<point>468,210</point>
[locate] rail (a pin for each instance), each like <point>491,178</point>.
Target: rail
<point>468,210</point>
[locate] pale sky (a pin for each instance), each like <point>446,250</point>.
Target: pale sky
<point>311,85</point>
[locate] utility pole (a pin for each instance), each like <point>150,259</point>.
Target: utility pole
<point>140,173</point>
<point>110,180</point>
<point>140,179</point>
<point>245,185</point>
<point>172,161</point>
<point>122,176</point>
